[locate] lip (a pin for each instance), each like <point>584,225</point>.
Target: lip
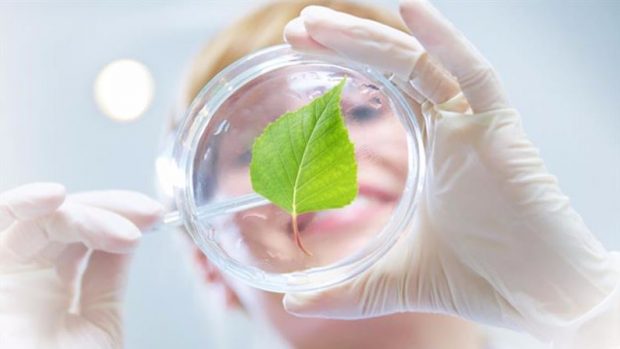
<point>375,192</point>
<point>371,202</point>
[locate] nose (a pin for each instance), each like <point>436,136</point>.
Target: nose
<point>381,143</point>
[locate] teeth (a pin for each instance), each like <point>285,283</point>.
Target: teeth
<point>360,202</point>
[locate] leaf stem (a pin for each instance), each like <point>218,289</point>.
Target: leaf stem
<point>297,235</point>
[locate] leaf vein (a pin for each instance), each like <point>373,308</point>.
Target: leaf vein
<point>306,146</point>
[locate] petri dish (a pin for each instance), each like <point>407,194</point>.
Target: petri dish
<point>245,235</point>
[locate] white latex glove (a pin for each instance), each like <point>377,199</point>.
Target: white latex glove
<point>494,238</point>
<point>63,264</point>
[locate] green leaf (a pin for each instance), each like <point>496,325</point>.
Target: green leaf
<point>304,160</point>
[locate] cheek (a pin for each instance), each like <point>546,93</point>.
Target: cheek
<point>234,182</point>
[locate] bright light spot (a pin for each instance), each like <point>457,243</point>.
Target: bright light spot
<point>168,175</point>
<point>124,89</point>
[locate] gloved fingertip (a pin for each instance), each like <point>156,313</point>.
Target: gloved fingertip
<point>410,9</point>
<point>294,30</point>
<point>45,198</point>
<point>297,36</point>
<point>139,208</point>
<point>314,13</point>
<point>315,305</point>
<point>145,210</point>
<point>52,188</point>
<point>153,214</point>
<point>296,304</point>
<point>125,240</point>
<point>340,302</point>
<point>412,2</point>
<point>34,200</point>
<point>99,228</point>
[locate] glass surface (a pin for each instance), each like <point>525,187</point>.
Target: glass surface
<point>255,242</point>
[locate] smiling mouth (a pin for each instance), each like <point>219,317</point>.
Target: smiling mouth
<point>371,202</point>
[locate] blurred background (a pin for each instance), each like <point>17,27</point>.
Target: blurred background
<point>59,110</point>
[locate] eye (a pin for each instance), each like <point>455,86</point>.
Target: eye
<point>363,113</point>
<point>244,158</point>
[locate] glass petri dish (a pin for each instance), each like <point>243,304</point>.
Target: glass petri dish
<point>251,239</point>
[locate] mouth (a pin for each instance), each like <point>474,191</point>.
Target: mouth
<point>372,201</point>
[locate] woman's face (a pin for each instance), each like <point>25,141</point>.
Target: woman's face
<point>263,236</point>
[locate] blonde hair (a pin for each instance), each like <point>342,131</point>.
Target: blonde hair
<point>263,28</point>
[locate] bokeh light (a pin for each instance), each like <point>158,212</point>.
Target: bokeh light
<point>124,89</point>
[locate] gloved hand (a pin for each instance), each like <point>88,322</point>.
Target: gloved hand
<point>494,238</point>
<point>63,264</point>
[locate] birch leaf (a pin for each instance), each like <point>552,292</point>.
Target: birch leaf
<point>304,161</point>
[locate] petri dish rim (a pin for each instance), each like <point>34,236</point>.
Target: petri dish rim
<point>198,116</point>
